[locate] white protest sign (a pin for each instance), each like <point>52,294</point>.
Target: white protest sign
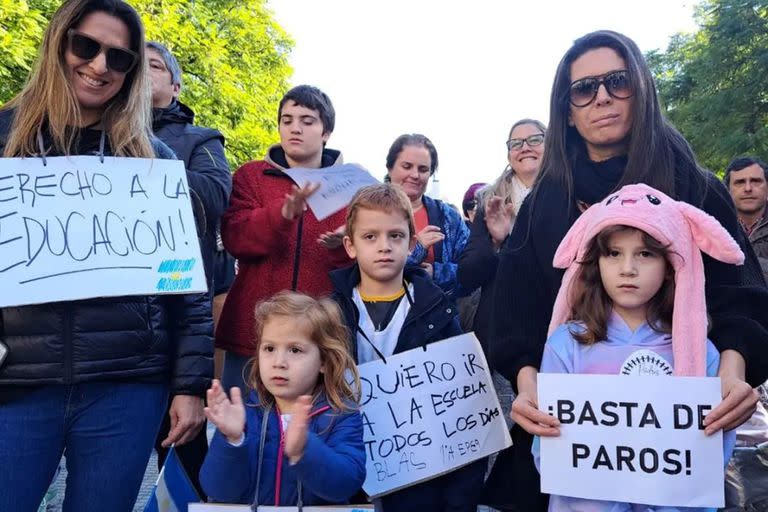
<point>210,507</point>
<point>632,439</point>
<point>338,184</point>
<point>426,412</point>
<point>78,228</point>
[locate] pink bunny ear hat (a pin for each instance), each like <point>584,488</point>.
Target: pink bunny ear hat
<point>686,230</point>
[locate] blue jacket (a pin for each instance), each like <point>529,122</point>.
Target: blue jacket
<point>331,471</point>
<point>448,252</point>
<point>433,316</point>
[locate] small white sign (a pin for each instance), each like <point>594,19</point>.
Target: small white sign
<point>427,412</point>
<point>76,228</point>
<point>338,184</point>
<point>632,439</point>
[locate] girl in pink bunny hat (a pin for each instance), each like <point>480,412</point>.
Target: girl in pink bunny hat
<point>632,299</point>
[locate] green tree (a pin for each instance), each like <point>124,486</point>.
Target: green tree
<point>233,53</point>
<point>713,83</point>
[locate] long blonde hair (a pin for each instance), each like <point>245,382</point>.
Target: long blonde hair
<point>323,321</point>
<point>503,186</point>
<point>48,100</point>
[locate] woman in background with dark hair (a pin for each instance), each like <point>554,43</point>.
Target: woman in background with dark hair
<point>606,130</point>
<point>441,234</point>
<point>91,378</point>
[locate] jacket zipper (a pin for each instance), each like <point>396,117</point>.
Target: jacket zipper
<point>280,449</point>
<point>297,255</point>
<point>68,370</point>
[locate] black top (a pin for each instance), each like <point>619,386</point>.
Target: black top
<point>527,283</point>
<point>477,269</point>
<point>381,311</point>
<point>202,150</point>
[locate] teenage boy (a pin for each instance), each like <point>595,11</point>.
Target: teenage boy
<point>279,244</point>
<point>390,308</point>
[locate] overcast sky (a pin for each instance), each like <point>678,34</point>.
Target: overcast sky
<point>459,72</point>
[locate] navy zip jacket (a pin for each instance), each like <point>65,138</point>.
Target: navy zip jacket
<point>143,338</point>
<point>432,317</point>
<point>202,150</point>
<point>331,470</point>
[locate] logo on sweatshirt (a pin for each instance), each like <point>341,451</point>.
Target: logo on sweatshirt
<point>644,363</point>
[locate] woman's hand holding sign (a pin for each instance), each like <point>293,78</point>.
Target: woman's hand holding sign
<point>525,409</point>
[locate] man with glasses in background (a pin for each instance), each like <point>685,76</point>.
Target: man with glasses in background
<point>210,182</point>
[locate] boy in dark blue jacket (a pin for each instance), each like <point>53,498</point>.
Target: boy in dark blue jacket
<point>389,309</point>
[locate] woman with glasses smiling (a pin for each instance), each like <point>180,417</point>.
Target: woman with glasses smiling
<point>606,130</point>
<point>498,206</point>
<point>91,377</point>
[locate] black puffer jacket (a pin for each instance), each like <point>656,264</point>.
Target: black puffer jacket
<point>202,150</point>
<point>138,338</point>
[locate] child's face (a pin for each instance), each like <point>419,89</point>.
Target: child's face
<point>289,361</point>
<point>631,275</point>
<point>380,244</point>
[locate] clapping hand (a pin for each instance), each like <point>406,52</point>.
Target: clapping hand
<point>429,236</point>
<point>296,201</point>
<point>296,434</point>
<point>228,416</point>
<point>498,219</point>
<point>332,239</point>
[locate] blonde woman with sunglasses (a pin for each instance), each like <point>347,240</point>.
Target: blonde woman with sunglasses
<point>91,378</point>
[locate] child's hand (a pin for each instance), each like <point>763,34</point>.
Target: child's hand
<point>296,435</point>
<point>229,417</point>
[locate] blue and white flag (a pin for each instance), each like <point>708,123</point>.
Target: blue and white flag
<point>173,491</point>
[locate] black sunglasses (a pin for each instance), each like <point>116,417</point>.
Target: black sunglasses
<point>532,140</point>
<point>84,47</point>
<point>617,84</point>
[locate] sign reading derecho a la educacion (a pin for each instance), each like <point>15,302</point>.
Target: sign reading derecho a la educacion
<point>427,412</point>
<point>632,439</point>
<point>76,227</point>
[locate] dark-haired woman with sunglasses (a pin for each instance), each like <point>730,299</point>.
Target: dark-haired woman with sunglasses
<point>91,377</point>
<point>606,130</point>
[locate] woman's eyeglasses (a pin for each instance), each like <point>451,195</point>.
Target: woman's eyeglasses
<point>84,47</point>
<point>617,83</point>
<point>532,140</point>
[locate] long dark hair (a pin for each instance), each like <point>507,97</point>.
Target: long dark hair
<point>591,303</point>
<point>656,148</point>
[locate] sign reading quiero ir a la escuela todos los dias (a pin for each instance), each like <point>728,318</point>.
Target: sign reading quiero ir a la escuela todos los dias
<point>427,412</point>
<point>76,228</point>
<point>632,439</point>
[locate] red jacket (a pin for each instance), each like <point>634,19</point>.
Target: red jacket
<point>273,253</point>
